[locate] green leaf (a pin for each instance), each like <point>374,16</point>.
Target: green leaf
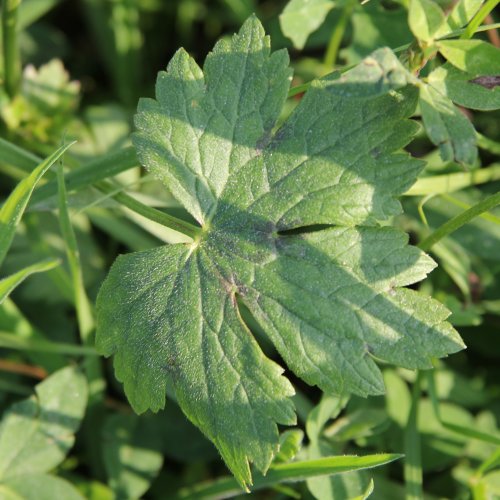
<point>36,434</point>
<point>375,26</point>
<point>13,208</point>
<point>31,10</point>
<point>472,56</point>
<point>345,485</point>
<point>301,17</point>
<point>447,127</point>
<point>131,454</point>
<point>425,18</point>
<point>375,75</point>
<point>290,472</point>
<point>326,298</point>
<point>463,89</point>
<point>290,444</point>
<point>38,487</point>
<point>463,11</point>
<point>8,284</point>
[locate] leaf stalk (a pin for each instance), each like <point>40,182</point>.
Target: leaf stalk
<point>458,221</point>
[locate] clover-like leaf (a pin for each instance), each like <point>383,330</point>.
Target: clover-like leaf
<point>329,297</point>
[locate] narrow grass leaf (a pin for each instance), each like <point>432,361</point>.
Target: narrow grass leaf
<point>13,208</point>
<point>460,220</point>
<point>9,340</point>
<point>413,459</point>
<point>449,183</point>
<point>8,284</point>
<point>101,168</point>
<point>295,471</point>
<point>83,308</point>
<point>12,154</point>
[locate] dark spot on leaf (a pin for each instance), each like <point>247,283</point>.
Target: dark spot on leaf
<point>488,82</point>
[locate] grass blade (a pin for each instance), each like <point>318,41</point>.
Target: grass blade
<point>88,174</point>
<point>413,461</point>
<point>94,172</point>
<point>82,304</point>
<point>447,183</point>
<point>11,341</point>
<point>86,326</point>
<point>458,221</point>
<point>8,284</point>
<point>294,471</point>
<point>13,208</point>
<point>18,157</point>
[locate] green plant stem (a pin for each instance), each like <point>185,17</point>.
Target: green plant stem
<point>413,459</point>
<point>478,19</point>
<point>488,144</point>
<point>448,183</point>
<point>12,61</point>
<point>90,174</point>
<point>13,341</point>
<point>337,35</point>
<point>465,206</point>
<point>305,86</point>
<point>82,304</point>
<point>149,212</point>
<point>461,219</point>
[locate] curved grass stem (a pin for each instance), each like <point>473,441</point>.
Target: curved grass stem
<point>461,219</point>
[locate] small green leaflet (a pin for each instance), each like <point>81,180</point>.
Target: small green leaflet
<point>330,300</point>
<point>447,127</point>
<point>425,19</point>
<point>301,17</point>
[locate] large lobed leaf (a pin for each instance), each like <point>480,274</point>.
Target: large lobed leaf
<point>330,299</point>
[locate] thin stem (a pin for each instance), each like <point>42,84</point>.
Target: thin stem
<point>461,219</point>
<point>493,35</point>
<point>337,35</point>
<point>488,144</point>
<point>305,86</point>
<point>478,19</point>
<point>82,305</point>
<point>13,341</point>
<point>22,369</point>
<point>12,61</point>
<point>465,206</point>
<point>447,183</point>
<point>150,212</point>
<point>413,459</point>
